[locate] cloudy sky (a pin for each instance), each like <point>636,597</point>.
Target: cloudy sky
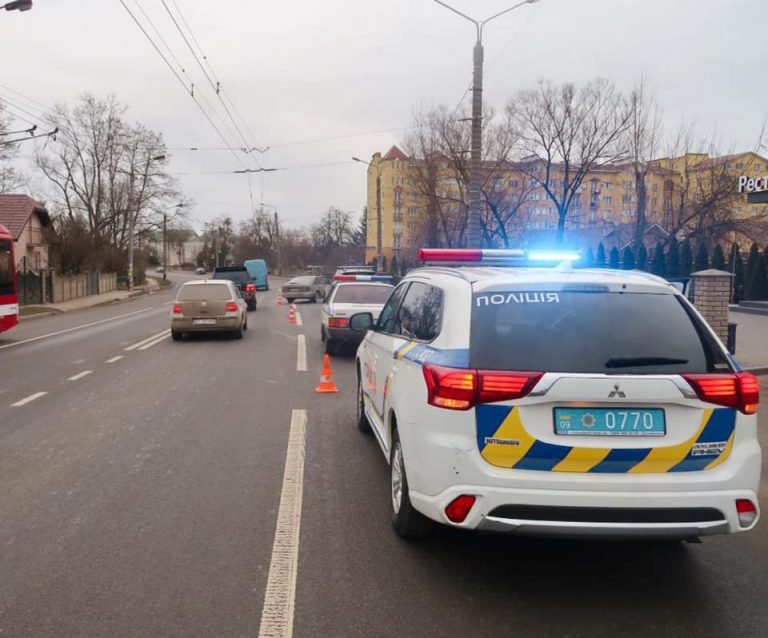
<point>318,81</point>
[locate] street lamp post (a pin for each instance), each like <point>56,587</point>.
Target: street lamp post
<point>474,239</point>
<point>379,256</point>
<point>133,215</point>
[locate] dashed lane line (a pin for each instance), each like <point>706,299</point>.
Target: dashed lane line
<point>301,354</point>
<point>164,336</point>
<point>299,320</point>
<point>147,340</point>
<point>114,359</point>
<point>279,600</point>
<point>80,375</point>
<point>29,399</point>
<point>85,325</point>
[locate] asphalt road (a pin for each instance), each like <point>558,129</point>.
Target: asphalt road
<point>142,499</point>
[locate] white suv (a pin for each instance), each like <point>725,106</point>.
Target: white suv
<point>556,401</point>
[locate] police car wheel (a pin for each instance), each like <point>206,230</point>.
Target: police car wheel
<point>362,421</point>
<point>408,523</point>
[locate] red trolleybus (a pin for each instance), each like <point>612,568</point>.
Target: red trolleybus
<point>9,289</point>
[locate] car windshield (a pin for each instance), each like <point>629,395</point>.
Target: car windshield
<point>301,281</point>
<point>363,294</point>
<point>238,276</point>
<point>204,292</point>
<point>611,333</point>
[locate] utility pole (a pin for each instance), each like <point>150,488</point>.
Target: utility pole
<point>165,246</point>
<point>277,242</point>
<point>474,235</point>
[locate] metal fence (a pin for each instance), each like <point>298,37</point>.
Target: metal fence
<point>46,286</point>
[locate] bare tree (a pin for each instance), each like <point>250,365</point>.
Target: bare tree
<point>567,132</point>
<point>10,179</point>
<point>643,139</point>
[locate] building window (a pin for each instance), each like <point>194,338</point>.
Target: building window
<point>667,203</point>
<point>629,185</point>
<point>654,201</point>
<point>398,195</point>
<point>739,166</point>
<point>607,186</point>
<point>411,210</point>
<point>411,195</point>
<point>513,183</point>
<point>627,199</point>
<point>758,167</point>
<point>626,212</point>
<point>607,199</point>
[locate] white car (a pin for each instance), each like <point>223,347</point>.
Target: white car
<point>554,401</point>
<point>352,294</point>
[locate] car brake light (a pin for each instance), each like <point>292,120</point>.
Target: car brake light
<point>461,389</point>
<point>250,288</point>
<point>338,322</point>
<point>746,511</point>
<point>230,306</point>
<point>740,390</point>
<point>177,309</point>
<point>459,508</point>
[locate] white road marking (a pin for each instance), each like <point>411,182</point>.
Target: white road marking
<point>299,321</point>
<point>277,613</point>
<point>113,359</point>
<point>165,335</point>
<point>80,375</point>
<point>147,340</point>
<point>301,354</point>
<point>29,399</point>
<point>85,325</point>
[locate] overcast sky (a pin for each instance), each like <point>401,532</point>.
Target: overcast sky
<point>306,70</point>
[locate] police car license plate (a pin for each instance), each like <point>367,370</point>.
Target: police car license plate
<point>203,322</point>
<point>610,422</point>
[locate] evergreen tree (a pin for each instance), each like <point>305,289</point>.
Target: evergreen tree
<point>736,266</point>
<point>628,259</point>
<point>589,258</point>
<point>673,258</point>
<point>600,257</point>
<point>751,273</point>
<point>642,258</point>
<point>658,266</point>
<point>686,258</point>
<point>702,258</point>
<point>718,258</point>
<point>760,281</point>
<point>613,261</point>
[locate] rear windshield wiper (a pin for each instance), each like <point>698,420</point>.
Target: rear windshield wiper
<point>631,362</point>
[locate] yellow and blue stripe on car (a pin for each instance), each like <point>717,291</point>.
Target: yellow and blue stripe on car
<point>503,441</point>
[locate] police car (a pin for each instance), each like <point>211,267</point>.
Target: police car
<point>555,401</point>
<point>348,295</point>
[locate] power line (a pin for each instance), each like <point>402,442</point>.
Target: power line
<point>188,89</point>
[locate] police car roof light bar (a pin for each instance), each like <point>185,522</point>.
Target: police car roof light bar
<point>382,278</point>
<point>462,256</point>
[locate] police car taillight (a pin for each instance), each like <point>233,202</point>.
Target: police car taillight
<point>740,390</point>
<point>462,389</point>
<point>746,511</point>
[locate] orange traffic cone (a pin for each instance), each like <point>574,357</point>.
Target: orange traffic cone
<point>326,380</point>
<point>292,314</point>
<point>280,300</point>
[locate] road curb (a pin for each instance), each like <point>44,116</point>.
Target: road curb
<point>39,315</point>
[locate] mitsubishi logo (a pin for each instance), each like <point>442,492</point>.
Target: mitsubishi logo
<point>617,392</point>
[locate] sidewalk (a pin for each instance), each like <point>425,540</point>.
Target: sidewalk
<point>751,341</point>
<point>33,311</point>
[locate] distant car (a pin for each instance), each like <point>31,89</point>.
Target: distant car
<point>345,299</point>
<point>305,287</point>
<point>239,275</point>
<point>257,269</point>
<point>200,271</point>
<point>160,269</point>
<point>208,306</point>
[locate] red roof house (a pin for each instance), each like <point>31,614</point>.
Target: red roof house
<point>25,218</point>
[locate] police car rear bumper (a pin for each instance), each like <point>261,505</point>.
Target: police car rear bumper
<point>659,515</point>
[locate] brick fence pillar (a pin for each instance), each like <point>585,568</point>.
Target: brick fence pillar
<point>712,292</point>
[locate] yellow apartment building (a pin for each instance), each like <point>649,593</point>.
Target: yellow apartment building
<point>607,197</point>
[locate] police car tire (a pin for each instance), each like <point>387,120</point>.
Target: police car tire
<point>362,421</point>
<point>408,522</point>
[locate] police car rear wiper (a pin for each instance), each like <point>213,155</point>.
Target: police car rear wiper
<point>631,362</point>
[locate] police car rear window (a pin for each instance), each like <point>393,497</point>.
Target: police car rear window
<point>589,332</point>
<point>362,294</point>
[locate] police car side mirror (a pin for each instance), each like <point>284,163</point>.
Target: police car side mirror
<point>361,322</point>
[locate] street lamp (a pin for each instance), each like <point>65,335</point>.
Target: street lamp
<point>17,5</point>
<point>379,258</point>
<point>132,218</point>
<point>475,178</point>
